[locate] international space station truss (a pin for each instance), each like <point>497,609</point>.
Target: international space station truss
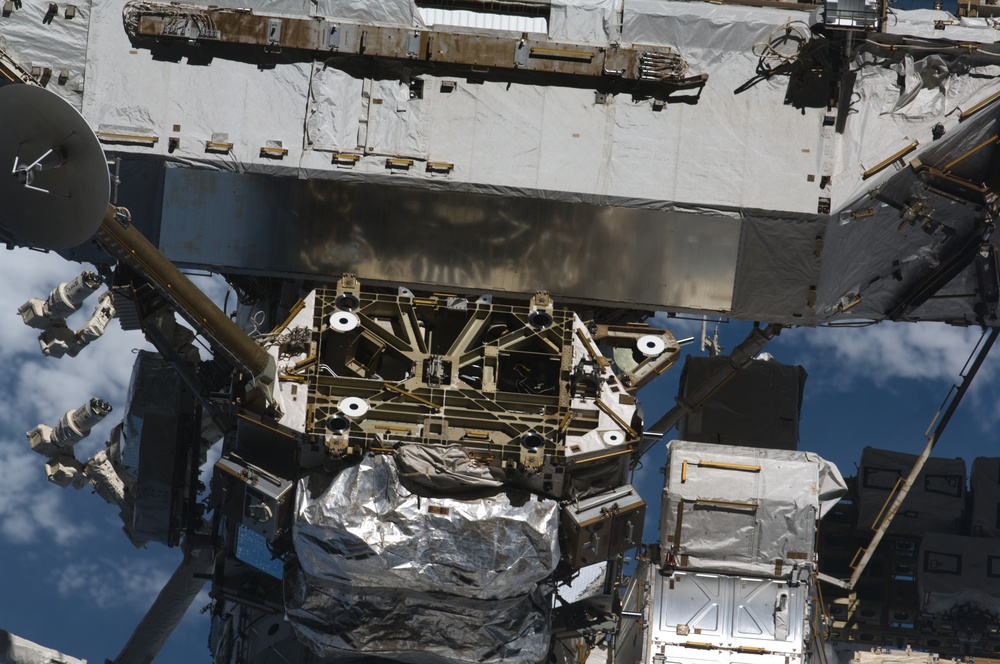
<point>447,226</point>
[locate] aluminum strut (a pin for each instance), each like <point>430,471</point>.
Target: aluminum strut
<point>950,404</point>
<point>169,608</point>
<point>125,243</point>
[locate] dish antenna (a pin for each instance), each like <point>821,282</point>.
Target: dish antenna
<point>54,180</point>
<point>55,196</point>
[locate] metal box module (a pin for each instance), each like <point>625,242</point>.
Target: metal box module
<point>958,574</point>
<point>732,613</point>
<point>693,618</point>
<point>734,580</point>
<point>758,407</point>
<point>257,499</point>
<point>935,504</point>
<point>603,526</point>
<point>984,481</point>
<point>742,510</point>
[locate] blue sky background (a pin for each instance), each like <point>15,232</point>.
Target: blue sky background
<point>70,579</point>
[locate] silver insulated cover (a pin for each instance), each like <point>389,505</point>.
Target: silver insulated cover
<point>743,510</point>
<point>384,570</point>
<point>369,531</point>
<point>421,628</point>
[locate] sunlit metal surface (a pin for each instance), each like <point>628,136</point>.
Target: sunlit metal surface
<point>729,612</point>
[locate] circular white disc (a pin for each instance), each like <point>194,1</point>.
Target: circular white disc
<point>65,203</point>
<point>613,437</point>
<point>343,321</point>
<point>651,345</point>
<point>353,407</point>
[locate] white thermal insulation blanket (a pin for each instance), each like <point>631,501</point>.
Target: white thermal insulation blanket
<point>921,23</point>
<point>743,510</point>
<point>383,12</point>
<point>934,504</point>
<point>888,117</point>
<point>58,45</point>
<point>585,21</point>
<point>553,141</point>
<point>15,650</point>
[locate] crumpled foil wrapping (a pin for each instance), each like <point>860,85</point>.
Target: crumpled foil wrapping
<point>384,571</point>
<point>446,469</point>
<point>393,623</point>
<point>368,531</point>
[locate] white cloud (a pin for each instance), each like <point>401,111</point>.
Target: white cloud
<point>878,353</point>
<point>29,506</point>
<point>126,582</point>
<point>212,457</point>
<point>925,358</point>
<point>73,534</point>
<point>41,389</point>
<point>925,351</point>
<point>24,275</point>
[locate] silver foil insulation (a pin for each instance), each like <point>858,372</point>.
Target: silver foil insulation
<point>383,570</point>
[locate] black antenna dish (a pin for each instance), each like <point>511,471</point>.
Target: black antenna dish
<point>54,180</point>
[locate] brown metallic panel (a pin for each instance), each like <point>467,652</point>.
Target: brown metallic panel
<point>479,51</point>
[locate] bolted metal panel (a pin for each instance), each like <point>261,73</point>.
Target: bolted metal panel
<point>728,612</point>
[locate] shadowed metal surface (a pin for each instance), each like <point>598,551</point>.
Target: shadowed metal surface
<point>473,241</point>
